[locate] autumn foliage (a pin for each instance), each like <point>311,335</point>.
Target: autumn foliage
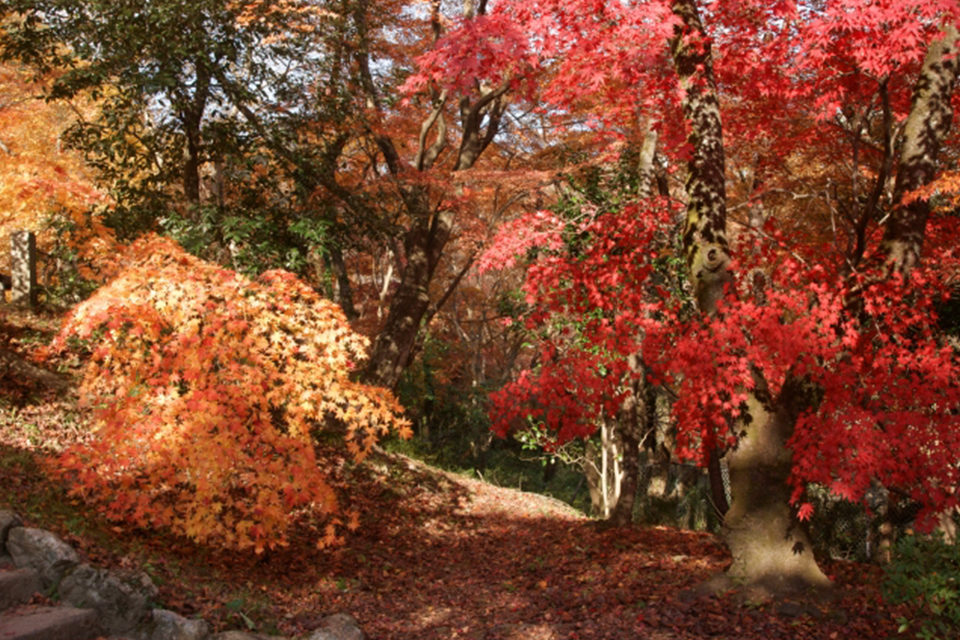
<point>40,177</point>
<point>207,390</point>
<point>879,399</point>
<point>588,306</point>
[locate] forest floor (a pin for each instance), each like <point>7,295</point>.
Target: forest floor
<point>436,556</point>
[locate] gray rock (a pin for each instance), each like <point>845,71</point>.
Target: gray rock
<point>339,626</point>
<point>43,551</point>
<point>120,603</point>
<point>17,586</point>
<point>167,625</point>
<point>243,635</point>
<point>8,520</point>
<point>50,623</point>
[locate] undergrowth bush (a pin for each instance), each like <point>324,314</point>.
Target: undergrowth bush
<point>925,573</point>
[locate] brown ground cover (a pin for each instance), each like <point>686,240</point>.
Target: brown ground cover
<point>435,556</point>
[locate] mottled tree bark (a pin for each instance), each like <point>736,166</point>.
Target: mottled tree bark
<point>704,234</point>
<point>925,130</point>
<point>769,550</point>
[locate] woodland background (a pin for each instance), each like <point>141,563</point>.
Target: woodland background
<point>674,263</point>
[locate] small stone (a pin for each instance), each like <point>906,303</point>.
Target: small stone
<point>339,626</point>
<point>167,625</point>
<point>120,603</point>
<point>43,551</point>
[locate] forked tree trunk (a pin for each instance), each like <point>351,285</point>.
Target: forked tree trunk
<point>602,471</point>
<point>768,548</point>
<point>431,225</point>
<point>393,348</point>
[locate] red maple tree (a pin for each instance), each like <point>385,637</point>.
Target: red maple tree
<point>827,363</point>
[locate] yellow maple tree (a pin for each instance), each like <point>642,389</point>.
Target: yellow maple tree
<point>207,390</point>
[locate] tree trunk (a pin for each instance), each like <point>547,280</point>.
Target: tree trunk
<point>629,430</point>
<point>191,116</point>
<point>705,229</point>
<point>925,130</point>
<point>769,550</point>
<point>425,241</point>
<point>622,513</point>
<point>344,292</point>
<point>593,473</point>
<point>393,348</point>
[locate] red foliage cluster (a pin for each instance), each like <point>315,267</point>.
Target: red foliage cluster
<point>789,76</point>
<point>595,306</point>
<point>887,402</point>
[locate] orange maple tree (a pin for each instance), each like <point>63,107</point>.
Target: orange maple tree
<point>207,390</point>
<point>40,177</point>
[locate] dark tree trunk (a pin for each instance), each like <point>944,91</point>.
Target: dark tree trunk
<point>630,430</point>
<point>191,115</point>
<point>344,294</point>
<point>394,346</point>
<point>191,169</point>
<point>718,492</point>
<point>622,513</point>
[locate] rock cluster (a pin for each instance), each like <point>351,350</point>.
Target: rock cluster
<point>96,602</point>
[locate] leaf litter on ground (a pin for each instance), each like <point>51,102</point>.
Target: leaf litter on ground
<point>435,555</point>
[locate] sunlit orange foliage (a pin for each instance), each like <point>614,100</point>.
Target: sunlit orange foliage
<point>206,389</point>
<point>40,176</point>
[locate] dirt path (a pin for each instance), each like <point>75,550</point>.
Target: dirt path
<point>438,556</point>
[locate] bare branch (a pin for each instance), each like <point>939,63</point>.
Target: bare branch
<point>472,144</point>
